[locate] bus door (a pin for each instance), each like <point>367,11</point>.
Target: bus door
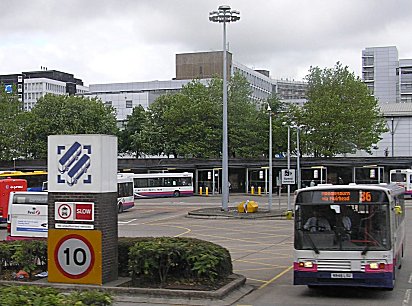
<point>6,186</point>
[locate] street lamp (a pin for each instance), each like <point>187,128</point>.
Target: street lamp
<point>270,159</point>
<point>224,15</point>
<point>298,174</point>
<point>289,206</point>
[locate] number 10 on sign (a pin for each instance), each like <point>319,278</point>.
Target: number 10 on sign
<point>75,256</point>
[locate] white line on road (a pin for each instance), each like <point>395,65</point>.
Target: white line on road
<point>410,279</point>
<point>406,297</point>
<point>126,222</point>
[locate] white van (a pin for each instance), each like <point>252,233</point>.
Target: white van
<point>27,217</point>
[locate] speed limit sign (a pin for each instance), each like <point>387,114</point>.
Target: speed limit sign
<point>75,256</point>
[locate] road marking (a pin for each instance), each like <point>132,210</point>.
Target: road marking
<point>410,279</point>
<point>256,280</point>
<point>406,297</point>
<point>126,222</point>
<point>276,277</point>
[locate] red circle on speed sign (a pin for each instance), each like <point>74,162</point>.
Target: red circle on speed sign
<point>74,256</point>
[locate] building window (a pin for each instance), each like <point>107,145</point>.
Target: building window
<point>129,104</point>
<point>108,103</point>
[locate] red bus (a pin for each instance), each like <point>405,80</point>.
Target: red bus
<point>6,186</point>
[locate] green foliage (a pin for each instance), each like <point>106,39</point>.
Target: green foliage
<point>30,295</point>
<point>124,245</point>
<point>29,254</point>
<point>157,259</point>
<point>10,122</point>
<point>89,297</point>
<point>340,114</point>
<point>43,296</point>
<point>189,123</point>
<point>128,137</point>
<point>7,249</point>
<point>65,115</point>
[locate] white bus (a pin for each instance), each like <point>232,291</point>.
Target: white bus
<point>364,251</point>
<point>402,177</point>
<point>125,197</point>
<point>27,215</point>
<point>161,184</point>
<point>28,210</point>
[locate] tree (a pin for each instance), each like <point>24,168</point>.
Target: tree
<point>182,124</point>
<point>189,123</point>
<point>248,124</point>
<point>340,114</point>
<point>10,111</point>
<point>128,142</point>
<point>64,115</point>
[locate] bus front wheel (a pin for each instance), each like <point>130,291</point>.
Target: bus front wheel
<point>176,194</point>
<point>120,208</point>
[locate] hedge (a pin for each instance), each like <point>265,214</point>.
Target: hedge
<point>145,259</point>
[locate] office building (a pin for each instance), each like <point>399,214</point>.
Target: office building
<point>200,65</point>
<point>33,85</point>
<point>388,77</point>
<point>123,97</point>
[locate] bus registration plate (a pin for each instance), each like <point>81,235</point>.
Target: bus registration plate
<point>341,275</point>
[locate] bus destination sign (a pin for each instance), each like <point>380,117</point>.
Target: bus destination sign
<point>341,196</point>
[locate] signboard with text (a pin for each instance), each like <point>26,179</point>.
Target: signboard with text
<point>74,211</point>
<point>288,176</point>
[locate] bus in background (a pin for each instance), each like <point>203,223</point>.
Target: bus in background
<point>125,197</point>
<point>402,177</point>
<point>28,211</point>
<point>161,184</point>
<point>7,186</point>
<point>349,235</point>
<point>27,218</point>
<point>34,179</point>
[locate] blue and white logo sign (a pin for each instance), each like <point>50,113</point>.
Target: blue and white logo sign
<point>73,164</point>
<point>82,163</point>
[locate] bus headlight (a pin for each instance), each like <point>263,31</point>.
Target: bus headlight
<point>306,264</point>
<point>377,265</point>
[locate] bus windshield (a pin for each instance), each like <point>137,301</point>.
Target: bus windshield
<point>342,221</point>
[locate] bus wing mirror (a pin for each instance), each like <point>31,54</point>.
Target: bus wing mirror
<point>398,210</point>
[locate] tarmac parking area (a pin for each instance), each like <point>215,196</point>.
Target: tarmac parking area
<point>261,249</point>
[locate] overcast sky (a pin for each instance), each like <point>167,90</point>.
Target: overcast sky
<point>109,41</point>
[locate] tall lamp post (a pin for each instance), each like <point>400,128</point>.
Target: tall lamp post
<point>270,159</point>
<point>224,15</point>
<point>289,205</point>
<point>298,174</point>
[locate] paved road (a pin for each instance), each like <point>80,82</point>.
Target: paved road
<point>260,249</point>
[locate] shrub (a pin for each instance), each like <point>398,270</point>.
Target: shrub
<point>30,254</point>
<point>24,254</point>
<point>156,259</point>
<point>124,245</point>
<point>33,295</point>
<point>89,297</point>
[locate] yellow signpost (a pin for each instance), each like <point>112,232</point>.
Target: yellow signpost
<point>75,256</point>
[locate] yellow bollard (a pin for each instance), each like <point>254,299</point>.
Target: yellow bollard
<point>259,190</point>
<point>289,215</point>
<point>252,190</point>
<point>207,191</point>
<point>200,190</point>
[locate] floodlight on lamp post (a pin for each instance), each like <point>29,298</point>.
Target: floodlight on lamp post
<point>270,160</point>
<point>224,15</point>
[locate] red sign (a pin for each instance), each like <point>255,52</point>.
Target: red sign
<point>84,212</point>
